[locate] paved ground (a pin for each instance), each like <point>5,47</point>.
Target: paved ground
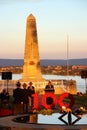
<point>7,123</point>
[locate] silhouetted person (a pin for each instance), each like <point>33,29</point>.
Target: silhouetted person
<point>4,97</point>
<point>25,98</point>
<point>18,99</point>
<point>49,88</point>
<point>31,90</point>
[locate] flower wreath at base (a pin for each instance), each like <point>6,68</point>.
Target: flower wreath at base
<point>66,95</point>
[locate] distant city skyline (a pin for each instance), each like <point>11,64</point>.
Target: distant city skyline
<point>55,20</point>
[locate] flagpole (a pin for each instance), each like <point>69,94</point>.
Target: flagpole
<point>67,62</point>
<point>67,55</point>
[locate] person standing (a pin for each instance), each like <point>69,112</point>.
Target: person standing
<point>49,88</point>
<point>31,90</point>
<point>4,98</point>
<point>18,99</point>
<point>25,98</point>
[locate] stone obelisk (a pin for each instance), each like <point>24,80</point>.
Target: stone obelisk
<point>31,67</point>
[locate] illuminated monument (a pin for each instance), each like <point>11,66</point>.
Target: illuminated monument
<point>31,67</point>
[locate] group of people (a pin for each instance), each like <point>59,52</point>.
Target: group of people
<point>23,97</point>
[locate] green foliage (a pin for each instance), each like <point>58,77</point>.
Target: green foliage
<point>81,100</point>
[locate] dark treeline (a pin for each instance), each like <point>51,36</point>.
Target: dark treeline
<point>44,62</point>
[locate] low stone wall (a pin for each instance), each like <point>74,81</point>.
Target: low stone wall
<point>7,123</point>
<point>45,127</point>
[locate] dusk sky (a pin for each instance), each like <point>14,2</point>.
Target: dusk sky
<point>56,19</point>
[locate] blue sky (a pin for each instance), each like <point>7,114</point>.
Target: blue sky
<point>55,20</point>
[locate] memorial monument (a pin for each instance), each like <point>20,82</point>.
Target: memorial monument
<point>31,67</point>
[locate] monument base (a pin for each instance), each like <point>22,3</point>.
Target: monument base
<point>32,79</point>
<point>59,86</point>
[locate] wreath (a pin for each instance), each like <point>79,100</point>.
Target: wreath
<point>67,105</point>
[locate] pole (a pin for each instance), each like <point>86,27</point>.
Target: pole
<point>67,55</point>
<point>68,62</point>
<point>7,84</point>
